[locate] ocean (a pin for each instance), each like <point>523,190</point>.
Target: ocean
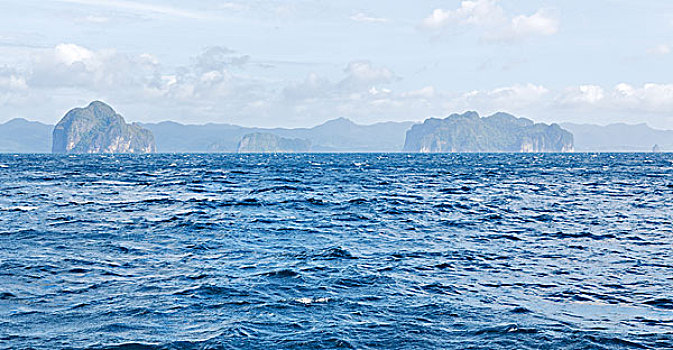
<point>327,251</point>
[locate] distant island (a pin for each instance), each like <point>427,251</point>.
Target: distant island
<point>619,137</point>
<point>500,132</point>
<point>22,136</point>
<point>269,143</point>
<point>97,128</point>
<point>334,136</point>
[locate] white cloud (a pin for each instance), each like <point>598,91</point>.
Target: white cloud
<point>206,81</point>
<point>14,89</point>
<point>477,12</point>
<point>142,8</point>
<point>361,17</point>
<point>583,94</point>
<point>427,92</point>
<point>212,87</point>
<point>96,19</point>
<point>12,80</point>
<point>76,66</point>
<point>661,49</point>
<point>365,71</point>
<point>516,98</point>
<point>490,18</point>
<point>361,78</point>
<point>583,103</point>
<point>379,91</point>
<point>540,23</point>
<point>232,6</point>
<point>70,53</point>
<point>519,93</point>
<point>312,87</point>
<point>649,97</point>
<point>218,58</point>
<point>437,19</point>
<point>622,98</point>
<point>362,74</point>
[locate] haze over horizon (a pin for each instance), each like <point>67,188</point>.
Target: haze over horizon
<point>297,64</point>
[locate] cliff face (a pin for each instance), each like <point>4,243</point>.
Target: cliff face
<point>500,132</point>
<point>270,143</point>
<point>99,129</point>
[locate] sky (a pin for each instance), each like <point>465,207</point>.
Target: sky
<point>297,63</point>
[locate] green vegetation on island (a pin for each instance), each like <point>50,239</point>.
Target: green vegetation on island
<point>269,143</point>
<point>500,132</point>
<point>99,129</point>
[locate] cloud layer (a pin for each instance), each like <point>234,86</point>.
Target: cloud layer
<point>492,21</point>
<point>217,86</point>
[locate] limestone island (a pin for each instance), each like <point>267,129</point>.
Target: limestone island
<point>97,128</point>
<point>500,132</point>
<point>260,142</point>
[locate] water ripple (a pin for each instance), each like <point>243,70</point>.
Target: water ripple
<point>482,251</point>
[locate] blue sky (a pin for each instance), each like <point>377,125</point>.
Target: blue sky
<point>299,63</point>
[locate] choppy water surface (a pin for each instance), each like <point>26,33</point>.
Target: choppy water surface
<point>337,251</point>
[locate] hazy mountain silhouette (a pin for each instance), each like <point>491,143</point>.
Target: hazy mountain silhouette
<point>22,136</point>
<point>338,135</point>
<point>342,135</point>
<point>619,137</point>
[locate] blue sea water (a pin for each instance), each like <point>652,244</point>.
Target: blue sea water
<point>382,251</point>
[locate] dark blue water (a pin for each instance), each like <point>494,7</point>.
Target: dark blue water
<point>392,251</point>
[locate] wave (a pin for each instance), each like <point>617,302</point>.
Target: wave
<point>404,251</point>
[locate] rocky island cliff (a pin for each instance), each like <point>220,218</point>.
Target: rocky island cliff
<point>500,132</point>
<point>97,128</point>
<point>269,143</point>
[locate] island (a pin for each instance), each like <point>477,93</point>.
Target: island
<point>97,128</point>
<point>260,142</point>
<point>500,132</point>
